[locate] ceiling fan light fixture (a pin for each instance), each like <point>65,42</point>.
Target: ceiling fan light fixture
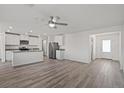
<point>53,22</point>
<point>52,25</point>
<point>8,30</point>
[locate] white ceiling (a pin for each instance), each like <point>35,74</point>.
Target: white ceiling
<point>79,17</point>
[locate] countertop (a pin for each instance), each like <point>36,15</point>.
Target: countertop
<point>11,49</point>
<point>61,50</point>
<point>19,51</point>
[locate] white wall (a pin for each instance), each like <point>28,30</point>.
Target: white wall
<point>59,39</point>
<point>0,41</point>
<point>2,47</point>
<point>77,45</point>
<point>122,48</point>
<point>114,54</point>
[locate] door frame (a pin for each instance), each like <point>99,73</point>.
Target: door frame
<point>45,47</point>
<point>92,49</point>
<point>120,48</point>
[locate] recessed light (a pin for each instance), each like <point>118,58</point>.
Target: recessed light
<point>52,25</point>
<point>8,30</point>
<point>44,34</point>
<point>30,31</point>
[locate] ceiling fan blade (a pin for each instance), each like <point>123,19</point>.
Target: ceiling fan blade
<point>51,18</point>
<point>65,24</point>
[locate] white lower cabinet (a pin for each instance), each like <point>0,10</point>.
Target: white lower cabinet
<point>9,55</point>
<point>60,54</point>
<point>26,57</point>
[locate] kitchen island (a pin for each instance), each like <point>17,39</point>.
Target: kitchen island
<point>26,57</point>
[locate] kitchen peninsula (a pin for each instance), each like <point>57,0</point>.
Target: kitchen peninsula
<point>26,57</point>
<point>23,49</point>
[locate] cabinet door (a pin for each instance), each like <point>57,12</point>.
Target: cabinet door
<point>9,55</point>
<point>24,37</point>
<point>33,41</point>
<point>12,39</point>
<point>60,54</point>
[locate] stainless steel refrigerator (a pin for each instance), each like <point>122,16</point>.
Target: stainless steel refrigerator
<point>53,46</point>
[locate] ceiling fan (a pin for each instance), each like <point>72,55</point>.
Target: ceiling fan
<point>53,22</point>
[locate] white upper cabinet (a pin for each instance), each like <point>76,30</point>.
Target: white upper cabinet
<point>11,39</point>
<point>24,37</point>
<point>33,41</point>
<point>59,39</point>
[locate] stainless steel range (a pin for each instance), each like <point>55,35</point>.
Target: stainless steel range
<point>24,45</point>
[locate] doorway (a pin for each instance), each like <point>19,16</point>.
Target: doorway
<point>106,45</point>
<point>44,47</point>
<point>93,47</point>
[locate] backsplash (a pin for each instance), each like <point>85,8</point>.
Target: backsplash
<point>17,47</point>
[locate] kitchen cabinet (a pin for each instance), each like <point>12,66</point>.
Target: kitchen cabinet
<point>33,41</point>
<point>9,55</point>
<point>26,57</point>
<point>24,37</point>
<point>11,39</point>
<point>60,54</point>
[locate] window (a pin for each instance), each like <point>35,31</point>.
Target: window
<point>106,46</point>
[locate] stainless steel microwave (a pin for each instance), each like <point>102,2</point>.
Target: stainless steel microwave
<point>24,42</point>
